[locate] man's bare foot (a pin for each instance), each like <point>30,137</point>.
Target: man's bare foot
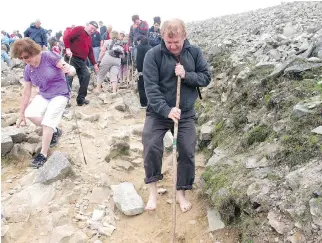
<point>185,205</point>
<point>152,202</point>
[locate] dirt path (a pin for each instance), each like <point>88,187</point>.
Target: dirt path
<point>96,138</point>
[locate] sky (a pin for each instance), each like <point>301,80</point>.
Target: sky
<point>59,14</point>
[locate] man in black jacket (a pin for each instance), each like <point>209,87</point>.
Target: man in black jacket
<point>162,64</point>
<point>142,49</point>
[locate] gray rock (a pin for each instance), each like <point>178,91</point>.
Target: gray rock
<point>62,234</point>
<point>127,199</point>
<point>20,152</point>
<point>255,162</point>
<point>125,165</point>
<point>206,132</point>
<point>6,144</point>
<point>258,191</point>
<point>56,168</point>
<point>316,210</point>
<point>308,176</point>
<point>278,223</point>
<point>106,230</point>
<point>168,141</point>
<point>217,155</point>
<point>317,130</point>
<point>18,135</point>
<point>9,119</point>
<point>214,220</point>
<point>29,201</point>
<point>301,67</point>
<point>98,215</point>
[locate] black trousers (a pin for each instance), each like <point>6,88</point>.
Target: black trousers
<point>83,77</point>
<point>142,95</point>
<point>154,130</point>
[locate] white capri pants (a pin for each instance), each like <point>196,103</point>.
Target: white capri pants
<point>51,110</point>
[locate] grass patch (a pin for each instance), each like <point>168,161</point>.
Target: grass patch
<point>257,134</point>
<point>299,143</point>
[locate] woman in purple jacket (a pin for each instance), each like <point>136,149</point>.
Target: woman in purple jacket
<point>45,70</point>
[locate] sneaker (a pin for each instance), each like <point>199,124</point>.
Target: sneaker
<point>55,138</point>
<point>38,161</point>
<point>82,102</point>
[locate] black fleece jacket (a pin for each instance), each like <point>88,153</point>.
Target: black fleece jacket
<point>160,81</point>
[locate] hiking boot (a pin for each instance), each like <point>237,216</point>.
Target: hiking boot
<point>38,161</point>
<point>55,138</point>
<point>82,102</point>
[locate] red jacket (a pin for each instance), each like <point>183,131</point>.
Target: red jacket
<point>80,43</point>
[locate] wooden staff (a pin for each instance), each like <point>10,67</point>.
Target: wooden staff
<point>174,164</point>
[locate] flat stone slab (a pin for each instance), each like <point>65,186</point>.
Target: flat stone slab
<point>127,200</point>
<point>56,168</point>
<point>214,220</point>
<point>317,130</point>
<point>18,135</point>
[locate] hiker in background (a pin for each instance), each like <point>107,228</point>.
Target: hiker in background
<point>45,70</point>
<point>143,47</point>
<point>96,41</point>
<point>103,28</point>
<point>48,33</point>
<point>56,48</point>
<point>106,35</point>
<point>4,54</point>
<point>18,34</point>
<point>110,61</point>
<point>37,33</point>
<point>139,27</point>
<point>78,43</point>
<point>175,57</point>
<point>154,32</point>
<point>125,59</point>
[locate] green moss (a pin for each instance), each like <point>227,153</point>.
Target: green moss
<point>258,134</point>
<point>299,145</point>
<point>223,197</point>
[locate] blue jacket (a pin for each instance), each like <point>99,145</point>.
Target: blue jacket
<point>160,81</point>
<point>37,34</point>
<point>154,37</point>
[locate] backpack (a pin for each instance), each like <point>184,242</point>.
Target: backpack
<point>116,48</point>
<point>194,54</point>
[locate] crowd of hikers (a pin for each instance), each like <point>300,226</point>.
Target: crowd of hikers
<point>161,56</point>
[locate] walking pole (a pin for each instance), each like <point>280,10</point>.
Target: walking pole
<point>174,164</point>
<point>75,117</point>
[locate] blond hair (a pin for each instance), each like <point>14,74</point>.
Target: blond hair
<point>114,34</point>
<point>173,27</point>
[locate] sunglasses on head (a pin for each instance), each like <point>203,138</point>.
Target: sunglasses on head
<point>24,57</point>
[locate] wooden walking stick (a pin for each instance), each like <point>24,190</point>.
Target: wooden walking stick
<point>174,164</point>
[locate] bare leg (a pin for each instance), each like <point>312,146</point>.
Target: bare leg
<point>36,120</point>
<point>185,205</point>
<point>152,202</point>
<point>98,89</point>
<point>114,87</point>
<point>47,134</point>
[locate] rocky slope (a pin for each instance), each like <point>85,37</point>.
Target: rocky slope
<point>260,121</point>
